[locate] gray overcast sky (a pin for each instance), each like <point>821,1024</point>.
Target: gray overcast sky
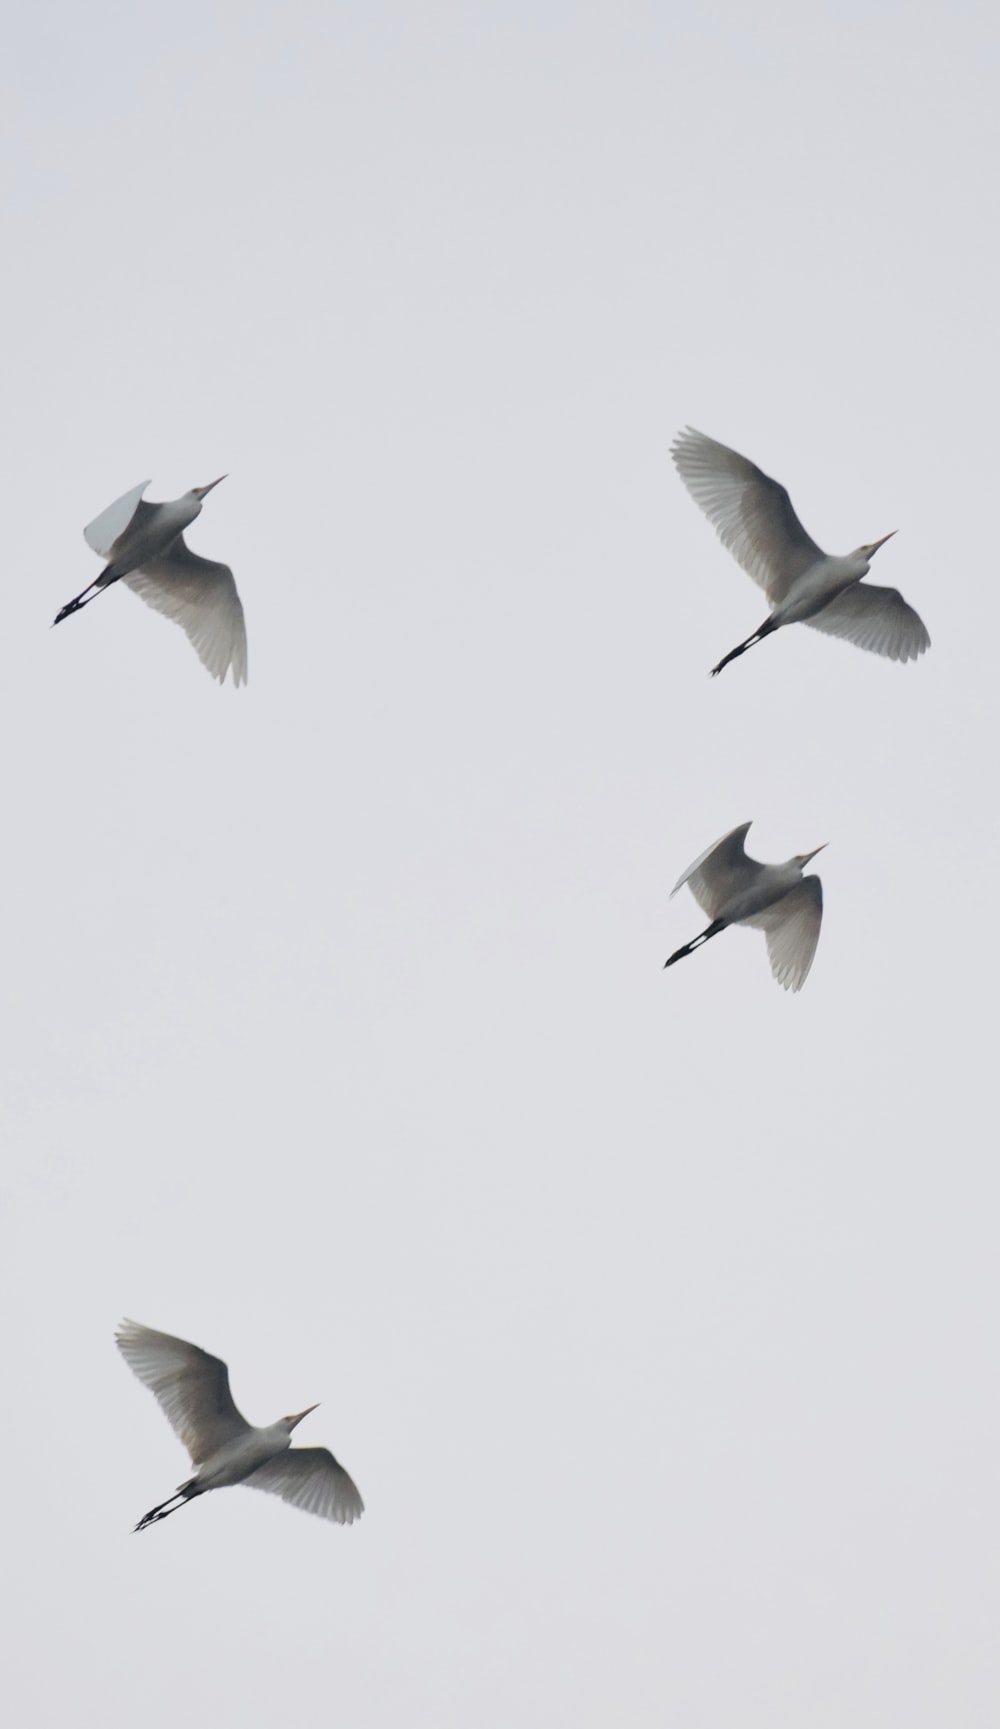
<point>654,1314</point>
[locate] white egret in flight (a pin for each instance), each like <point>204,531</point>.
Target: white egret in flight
<point>145,546</point>
<point>754,518</point>
<point>776,899</point>
<point>193,1392</point>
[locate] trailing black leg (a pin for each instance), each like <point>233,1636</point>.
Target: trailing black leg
<point>713,930</point>
<point>85,597</point>
<point>164,1510</point>
<point>766,629</point>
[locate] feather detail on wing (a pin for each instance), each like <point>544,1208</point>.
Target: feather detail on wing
<point>312,1479</point>
<point>192,1388</point>
<point>719,871</point>
<point>751,513</point>
<point>201,597</point>
<point>878,619</point>
<point>792,927</point>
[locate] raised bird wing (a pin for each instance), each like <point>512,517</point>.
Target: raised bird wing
<point>106,529</point>
<point>720,872</point>
<point>201,597</point>
<point>751,513</point>
<point>310,1478</point>
<point>192,1387</point>
<point>875,618</point>
<point>792,926</point>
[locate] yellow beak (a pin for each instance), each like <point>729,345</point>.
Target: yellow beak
<point>299,1416</point>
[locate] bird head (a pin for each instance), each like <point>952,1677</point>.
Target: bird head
<point>202,491</point>
<point>802,858</point>
<point>865,552</point>
<point>291,1421</point>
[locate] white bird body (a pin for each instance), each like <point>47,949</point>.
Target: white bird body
<point>819,585</point>
<point>754,519</point>
<point>145,548</point>
<point>734,889</point>
<point>237,1459</point>
<point>192,1389</point>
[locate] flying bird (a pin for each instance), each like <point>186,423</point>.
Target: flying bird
<point>753,517</point>
<point>777,899</point>
<point>193,1392</point>
<point>146,550</point>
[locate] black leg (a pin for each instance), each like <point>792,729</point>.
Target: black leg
<point>164,1510</point>
<point>85,597</point>
<point>713,930</point>
<point>766,629</point>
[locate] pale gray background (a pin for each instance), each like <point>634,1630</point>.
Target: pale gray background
<point>655,1314</point>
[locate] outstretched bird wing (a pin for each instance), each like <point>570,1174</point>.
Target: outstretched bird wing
<point>751,513</point>
<point>201,597</point>
<point>875,618</point>
<point>310,1478</point>
<point>192,1387</point>
<point>107,529</point>
<point>720,872</point>
<point>791,927</point>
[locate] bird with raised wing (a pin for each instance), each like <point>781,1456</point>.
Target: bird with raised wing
<point>754,519</point>
<point>146,550</point>
<point>193,1392</point>
<point>734,889</point>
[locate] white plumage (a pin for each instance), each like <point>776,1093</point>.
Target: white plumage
<point>754,519</point>
<point>734,889</point>
<point>192,1388</point>
<point>145,546</point>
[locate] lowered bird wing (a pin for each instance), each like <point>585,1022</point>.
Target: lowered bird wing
<point>310,1478</point>
<point>878,619</point>
<point>751,513</point>
<point>201,597</point>
<point>107,529</point>
<point>191,1387</point>
<point>721,871</point>
<point>791,927</point>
